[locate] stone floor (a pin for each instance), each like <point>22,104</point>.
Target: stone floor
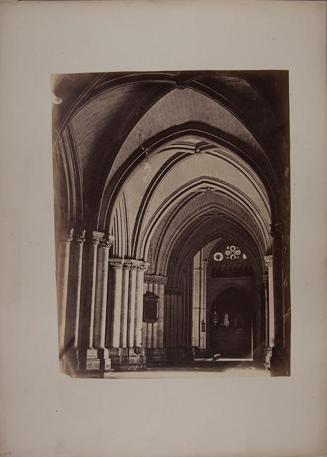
<point>234,369</point>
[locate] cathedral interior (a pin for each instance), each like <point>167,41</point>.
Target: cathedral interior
<point>172,221</point>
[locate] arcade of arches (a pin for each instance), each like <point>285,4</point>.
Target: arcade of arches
<point>172,219</point>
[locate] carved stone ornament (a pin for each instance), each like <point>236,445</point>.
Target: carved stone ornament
<point>96,237</point>
<point>70,235</point>
<point>106,242</point>
<point>116,264</point>
<point>269,261</point>
<point>131,264</point>
<point>140,265</point>
<point>80,238</point>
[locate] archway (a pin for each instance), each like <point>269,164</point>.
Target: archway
<point>231,324</point>
<point>150,204</point>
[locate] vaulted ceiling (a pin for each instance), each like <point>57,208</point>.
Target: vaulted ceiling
<point>128,144</point>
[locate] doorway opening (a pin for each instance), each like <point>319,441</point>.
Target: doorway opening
<point>231,325</point>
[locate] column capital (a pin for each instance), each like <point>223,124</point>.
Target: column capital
<point>116,264</point>
<point>140,265</point>
<point>268,260</point>
<point>107,241</point>
<point>156,279</point>
<point>96,237</point>
<point>68,237</point>
<point>80,237</point>
<point>127,264</point>
<point>132,264</point>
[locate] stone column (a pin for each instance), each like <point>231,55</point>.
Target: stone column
<point>97,357</point>
<point>79,260</point>
<point>270,316</point>
<point>124,309</point>
<point>196,285</point>
<point>63,291</point>
<point>161,315</point>
<point>117,265</point>
<point>265,285</point>
<point>203,305</point>
<point>102,293</point>
<point>131,304</point>
<point>269,264</point>
<point>141,267</point>
<point>96,237</point>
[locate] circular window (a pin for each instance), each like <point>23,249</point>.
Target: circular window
<point>218,256</point>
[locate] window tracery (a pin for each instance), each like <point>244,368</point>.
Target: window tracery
<point>231,252</point>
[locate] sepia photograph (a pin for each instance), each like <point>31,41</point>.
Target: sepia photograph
<point>164,219</point>
<point>172,223</point>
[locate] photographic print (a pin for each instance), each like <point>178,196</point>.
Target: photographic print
<point>172,222</point>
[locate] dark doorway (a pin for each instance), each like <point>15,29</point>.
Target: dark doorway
<point>231,324</point>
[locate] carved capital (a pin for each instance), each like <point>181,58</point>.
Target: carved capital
<point>96,237</point>
<point>127,264</point>
<point>116,264</point>
<point>69,236</point>
<point>131,264</point>
<point>107,241</point>
<point>140,265</point>
<point>156,279</point>
<point>80,238</point>
<point>268,260</point>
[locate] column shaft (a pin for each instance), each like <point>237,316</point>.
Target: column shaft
<point>101,297</point>
<point>115,336</point>
<point>265,282</point>
<point>94,253</point>
<point>80,240</point>
<point>161,315</point>
<point>64,290</point>
<point>131,307</point>
<point>124,310</point>
<point>139,307</point>
<point>271,306</point>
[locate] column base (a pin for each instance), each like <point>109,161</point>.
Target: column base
<point>127,359</point>
<point>73,361</point>
<point>155,357</point>
<point>97,359</point>
<point>268,357</point>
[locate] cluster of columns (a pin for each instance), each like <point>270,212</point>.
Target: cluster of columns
<point>127,313</point>
<point>101,306</point>
<point>83,274</point>
<point>199,301</point>
<point>109,294</point>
